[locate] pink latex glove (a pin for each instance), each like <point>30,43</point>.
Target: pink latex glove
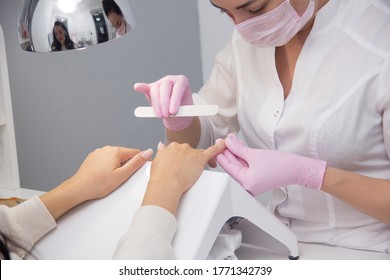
<point>260,170</point>
<point>166,96</point>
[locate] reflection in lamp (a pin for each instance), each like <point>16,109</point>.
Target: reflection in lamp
<point>37,17</point>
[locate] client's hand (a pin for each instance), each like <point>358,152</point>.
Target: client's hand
<point>103,171</point>
<point>174,170</point>
<point>106,168</point>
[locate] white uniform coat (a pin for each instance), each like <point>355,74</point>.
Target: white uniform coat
<point>338,110</point>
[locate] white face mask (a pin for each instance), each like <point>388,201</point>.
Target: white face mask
<point>275,28</point>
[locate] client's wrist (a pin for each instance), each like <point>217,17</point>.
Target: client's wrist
<point>163,195</point>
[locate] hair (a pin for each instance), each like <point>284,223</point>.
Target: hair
<point>110,6</point>
<point>56,45</point>
<point>4,248</point>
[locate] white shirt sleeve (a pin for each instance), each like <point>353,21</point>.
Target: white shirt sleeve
<point>23,225</point>
<point>220,90</point>
<point>384,90</point>
<point>150,235</point>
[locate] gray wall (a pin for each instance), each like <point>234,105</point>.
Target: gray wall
<point>215,31</point>
<point>67,104</point>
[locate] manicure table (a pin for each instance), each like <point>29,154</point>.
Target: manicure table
<point>92,230</point>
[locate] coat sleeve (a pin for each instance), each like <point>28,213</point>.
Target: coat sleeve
<point>384,90</point>
<point>23,225</point>
<point>220,89</point>
<point>149,236</point>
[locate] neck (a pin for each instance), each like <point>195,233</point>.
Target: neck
<point>299,39</point>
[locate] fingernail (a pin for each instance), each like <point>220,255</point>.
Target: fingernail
<point>160,145</point>
<point>219,140</point>
<point>146,154</point>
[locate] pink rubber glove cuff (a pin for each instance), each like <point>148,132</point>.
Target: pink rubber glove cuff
<point>177,124</point>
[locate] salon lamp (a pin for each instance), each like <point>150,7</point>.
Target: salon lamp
<point>85,22</point>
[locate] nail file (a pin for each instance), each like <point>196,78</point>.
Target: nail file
<point>184,111</point>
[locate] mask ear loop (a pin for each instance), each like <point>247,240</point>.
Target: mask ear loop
<point>307,8</point>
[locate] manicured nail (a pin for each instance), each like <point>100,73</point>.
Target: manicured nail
<point>146,154</point>
<point>160,145</point>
